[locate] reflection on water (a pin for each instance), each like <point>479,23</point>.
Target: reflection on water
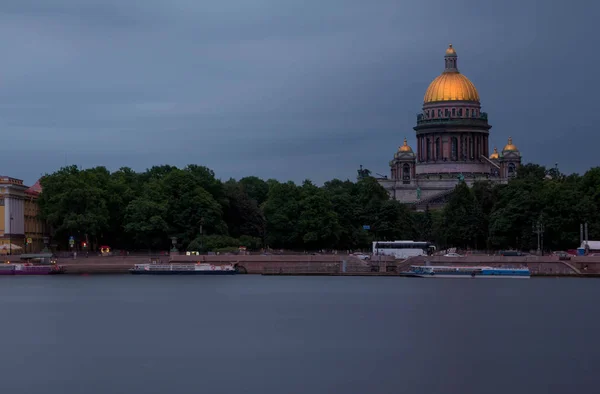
<point>267,335</point>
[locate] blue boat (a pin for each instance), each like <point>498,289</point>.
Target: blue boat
<point>431,271</point>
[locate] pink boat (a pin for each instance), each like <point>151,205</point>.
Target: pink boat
<point>29,269</point>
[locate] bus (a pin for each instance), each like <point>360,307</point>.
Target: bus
<point>402,249</point>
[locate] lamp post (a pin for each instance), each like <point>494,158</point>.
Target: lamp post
<point>10,234</point>
<point>46,240</point>
<point>538,228</point>
<point>201,224</point>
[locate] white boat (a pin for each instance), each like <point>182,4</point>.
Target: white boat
<point>431,271</point>
<point>183,269</point>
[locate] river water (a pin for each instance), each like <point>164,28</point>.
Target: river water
<point>281,335</point>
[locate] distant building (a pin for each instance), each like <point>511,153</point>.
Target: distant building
<point>19,221</point>
<point>452,144</point>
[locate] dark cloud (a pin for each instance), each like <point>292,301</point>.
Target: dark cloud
<point>284,89</point>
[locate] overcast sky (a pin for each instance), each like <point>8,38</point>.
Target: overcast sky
<point>286,89</point>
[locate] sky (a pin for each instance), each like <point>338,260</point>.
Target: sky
<point>285,89</point>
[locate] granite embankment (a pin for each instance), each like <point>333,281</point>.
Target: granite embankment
<point>586,266</point>
<point>252,264</point>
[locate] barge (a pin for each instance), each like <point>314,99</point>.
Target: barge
<point>183,269</point>
<point>30,269</point>
<point>429,271</point>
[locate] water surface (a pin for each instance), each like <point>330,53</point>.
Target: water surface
<point>275,335</point>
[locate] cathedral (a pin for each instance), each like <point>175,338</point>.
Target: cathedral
<point>452,144</point>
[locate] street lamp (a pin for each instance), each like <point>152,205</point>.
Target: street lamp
<point>201,224</point>
<point>10,234</point>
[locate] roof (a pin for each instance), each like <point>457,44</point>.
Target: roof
<point>35,189</point>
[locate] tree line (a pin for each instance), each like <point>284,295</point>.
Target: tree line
<point>129,210</point>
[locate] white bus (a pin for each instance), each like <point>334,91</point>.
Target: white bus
<point>402,249</point>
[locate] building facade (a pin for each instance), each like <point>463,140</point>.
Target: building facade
<point>21,229</point>
<point>452,144</point>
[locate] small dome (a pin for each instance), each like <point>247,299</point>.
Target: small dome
<point>510,147</point>
<point>405,147</point>
<point>495,155</point>
<point>450,51</point>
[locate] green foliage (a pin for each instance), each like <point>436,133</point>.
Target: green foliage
<point>130,210</point>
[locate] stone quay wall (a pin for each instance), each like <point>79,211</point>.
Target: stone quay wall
<point>258,264</point>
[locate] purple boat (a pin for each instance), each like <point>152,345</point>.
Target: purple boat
<point>29,269</point>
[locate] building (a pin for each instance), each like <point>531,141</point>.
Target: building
<point>452,144</point>
<point>20,225</point>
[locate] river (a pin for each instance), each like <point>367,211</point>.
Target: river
<point>282,335</point>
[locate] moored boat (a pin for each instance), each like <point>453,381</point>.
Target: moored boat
<point>183,269</point>
<point>30,269</point>
<point>430,271</point>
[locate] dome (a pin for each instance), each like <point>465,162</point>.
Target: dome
<point>494,155</point>
<point>510,147</point>
<point>405,147</point>
<point>450,51</point>
<point>451,85</point>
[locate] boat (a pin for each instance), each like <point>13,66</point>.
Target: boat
<point>30,269</point>
<point>183,269</point>
<point>430,271</point>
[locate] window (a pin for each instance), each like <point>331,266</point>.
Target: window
<point>471,148</point>
<point>406,173</point>
<point>428,149</point>
<point>446,113</point>
<point>460,112</point>
<point>453,112</point>
<point>438,150</point>
<point>454,148</point>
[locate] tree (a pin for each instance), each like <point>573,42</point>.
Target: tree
<point>126,209</point>
<point>241,213</point>
<point>462,218</point>
<point>255,188</point>
<point>145,218</point>
<point>74,203</point>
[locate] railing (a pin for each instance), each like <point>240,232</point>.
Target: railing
<point>484,157</point>
<point>317,268</point>
<point>482,119</point>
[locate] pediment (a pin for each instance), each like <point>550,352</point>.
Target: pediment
<point>511,156</point>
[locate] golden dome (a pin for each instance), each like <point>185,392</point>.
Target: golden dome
<point>494,155</point>
<point>510,147</point>
<point>405,147</point>
<point>451,86</point>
